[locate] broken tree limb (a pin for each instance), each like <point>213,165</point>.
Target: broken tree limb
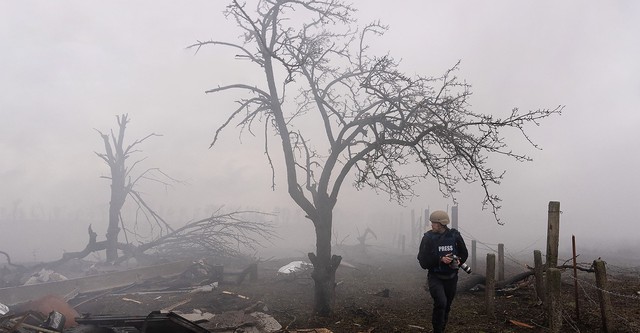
<point>9,260</point>
<point>476,282</point>
<point>91,247</point>
<point>219,234</point>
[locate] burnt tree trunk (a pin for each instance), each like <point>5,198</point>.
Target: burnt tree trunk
<point>115,157</point>
<point>324,265</point>
<point>118,196</point>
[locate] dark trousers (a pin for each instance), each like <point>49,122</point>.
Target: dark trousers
<point>442,291</point>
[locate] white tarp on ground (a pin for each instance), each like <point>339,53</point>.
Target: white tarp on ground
<point>294,267</point>
<point>3,309</point>
<point>43,276</point>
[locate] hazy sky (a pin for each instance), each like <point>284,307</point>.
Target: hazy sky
<point>68,67</point>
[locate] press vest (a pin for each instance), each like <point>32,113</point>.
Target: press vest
<point>444,244</point>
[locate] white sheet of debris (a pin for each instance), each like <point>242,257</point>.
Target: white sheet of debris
<point>3,309</point>
<point>295,267</point>
<point>44,275</point>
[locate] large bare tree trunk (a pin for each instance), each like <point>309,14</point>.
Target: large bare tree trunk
<point>118,196</point>
<point>115,157</point>
<point>324,265</point>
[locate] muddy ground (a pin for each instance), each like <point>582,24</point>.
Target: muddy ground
<point>385,293</point>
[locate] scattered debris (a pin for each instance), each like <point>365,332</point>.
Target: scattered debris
<point>44,275</point>
<point>346,264</point>
<point>175,305</point>
<point>30,320</point>
<point>417,327</point>
<point>197,316</point>
<point>55,321</point>
<point>383,293</point>
<point>3,309</point>
<point>46,305</point>
<point>234,321</point>
<point>93,283</point>
<point>154,322</point>
<point>295,267</point>
<point>131,300</point>
<point>205,288</point>
<point>234,294</point>
<point>519,323</point>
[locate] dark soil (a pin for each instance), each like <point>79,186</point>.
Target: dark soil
<point>385,293</point>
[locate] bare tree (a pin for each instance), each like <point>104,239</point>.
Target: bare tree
<point>123,181</point>
<point>375,120</point>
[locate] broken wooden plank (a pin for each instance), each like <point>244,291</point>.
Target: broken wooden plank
<point>95,283</point>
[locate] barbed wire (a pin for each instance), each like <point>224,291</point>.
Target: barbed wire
<point>584,285</point>
<point>580,281</point>
<point>567,319</point>
<point>595,304</point>
<point>488,248</point>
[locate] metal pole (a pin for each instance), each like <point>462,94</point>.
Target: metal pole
<point>575,277</point>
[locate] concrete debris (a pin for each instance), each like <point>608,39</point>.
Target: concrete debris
<point>43,276</point>
<point>93,283</point>
<point>197,316</point>
<point>206,288</point>
<point>231,321</point>
<point>266,322</point>
<point>40,305</point>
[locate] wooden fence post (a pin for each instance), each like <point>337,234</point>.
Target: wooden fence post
<point>554,306</point>
<point>454,217</point>
<point>500,262</point>
<point>575,278</point>
<point>603,295</point>
<point>413,227</point>
<point>426,219</point>
<point>553,233</point>
<point>473,255</point>
<point>538,271</point>
<point>490,284</point>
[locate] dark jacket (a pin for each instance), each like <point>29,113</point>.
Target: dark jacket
<point>434,246</point>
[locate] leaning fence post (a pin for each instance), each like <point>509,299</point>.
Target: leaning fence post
<point>490,284</point>
<point>575,278</point>
<point>538,271</point>
<point>554,306</point>
<point>605,301</point>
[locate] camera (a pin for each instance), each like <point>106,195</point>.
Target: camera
<point>454,264</point>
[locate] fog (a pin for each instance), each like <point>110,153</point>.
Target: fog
<point>69,67</point>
